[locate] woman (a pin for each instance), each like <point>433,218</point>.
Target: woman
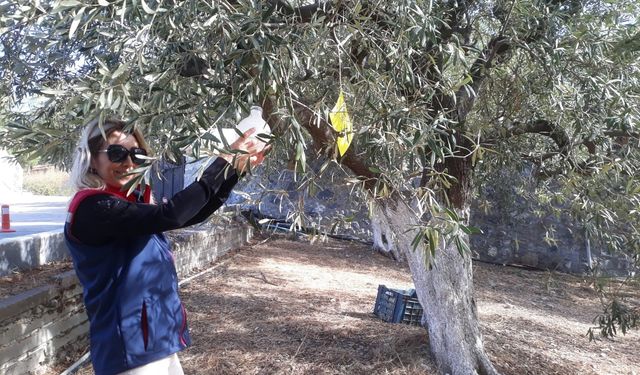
<point>137,322</point>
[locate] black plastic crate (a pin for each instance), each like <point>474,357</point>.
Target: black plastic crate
<point>398,306</point>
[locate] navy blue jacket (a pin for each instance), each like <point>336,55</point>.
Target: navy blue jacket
<point>126,268</point>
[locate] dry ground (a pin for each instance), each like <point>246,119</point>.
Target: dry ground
<point>18,282</point>
<point>287,307</point>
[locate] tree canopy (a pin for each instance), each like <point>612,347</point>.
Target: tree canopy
<point>439,92</point>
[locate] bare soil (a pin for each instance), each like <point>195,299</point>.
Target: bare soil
<point>291,307</point>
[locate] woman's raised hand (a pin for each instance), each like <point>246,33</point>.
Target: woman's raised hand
<point>253,152</point>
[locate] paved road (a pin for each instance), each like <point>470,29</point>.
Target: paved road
<point>32,214</point>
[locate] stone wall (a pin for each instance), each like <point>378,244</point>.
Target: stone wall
<point>518,230</point>
<point>519,238</point>
<point>513,233</point>
<point>328,203</point>
<point>38,326</point>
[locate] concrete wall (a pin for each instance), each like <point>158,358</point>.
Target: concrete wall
<point>38,326</point>
<point>26,252</point>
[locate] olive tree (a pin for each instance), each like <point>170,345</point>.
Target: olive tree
<point>438,93</point>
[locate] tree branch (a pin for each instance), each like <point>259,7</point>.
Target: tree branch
<point>538,159</point>
<point>452,23</point>
<point>303,13</point>
<point>585,168</point>
<point>453,19</point>
<point>621,133</point>
<point>542,127</point>
<point>497,49</point>
<point>324,138</point>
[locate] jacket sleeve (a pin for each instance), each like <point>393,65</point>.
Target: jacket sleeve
<point>103,217</point>
<point>215,201</point>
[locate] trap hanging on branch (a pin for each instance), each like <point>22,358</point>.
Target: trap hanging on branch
<point>341,122</point>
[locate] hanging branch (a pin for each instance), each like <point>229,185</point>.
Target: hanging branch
<point>324,138</point>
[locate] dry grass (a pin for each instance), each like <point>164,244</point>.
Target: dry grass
<point>293,308</point>
<point>48,182</point>
<point>285,307</point>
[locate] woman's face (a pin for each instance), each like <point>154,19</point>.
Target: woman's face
<point>115,174</point>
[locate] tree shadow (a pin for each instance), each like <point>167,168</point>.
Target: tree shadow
<point>263,328</point>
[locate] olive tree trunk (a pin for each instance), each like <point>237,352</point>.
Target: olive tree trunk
<point>445,291</point>
<point>383,235</point>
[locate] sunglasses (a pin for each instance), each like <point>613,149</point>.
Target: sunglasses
<point>118,154</point>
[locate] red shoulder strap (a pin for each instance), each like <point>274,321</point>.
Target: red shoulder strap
<point>75,202</point>
<point>85,193</point>
<point>82,195</point>
<point>135,196</point>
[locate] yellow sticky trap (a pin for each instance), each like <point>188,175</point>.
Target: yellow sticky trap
<point>342,123</point>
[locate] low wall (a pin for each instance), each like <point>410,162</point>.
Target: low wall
<point>38,326</point>
<point>520,229</point>
<point>27,252</point>
<point>516,236</point>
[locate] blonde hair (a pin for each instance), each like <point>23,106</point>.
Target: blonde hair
<point>82,174</point>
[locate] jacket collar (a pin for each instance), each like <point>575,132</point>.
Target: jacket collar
<point>135,196</point>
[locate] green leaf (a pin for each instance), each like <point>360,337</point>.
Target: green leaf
<point>65,4</point>
<point>122,11</point>
<point>417,240</point>
<point>461,245</point>
<point>146,7</point>
<point>452,214</point>
<point>121,69</point>
<point>434,240</point>
<point>470,229</point>
<point>76,22</point>
<point>51,92</point>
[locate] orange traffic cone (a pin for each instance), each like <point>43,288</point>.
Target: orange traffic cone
<point>6,220</point>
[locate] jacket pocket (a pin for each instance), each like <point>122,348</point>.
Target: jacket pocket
<point>149,333</point>
<point>132,321</point>
<point>144,325</point>
<point>138,328</point>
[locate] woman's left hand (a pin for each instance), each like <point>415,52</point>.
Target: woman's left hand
<point>253,152</point>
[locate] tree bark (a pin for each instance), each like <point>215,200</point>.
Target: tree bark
<point>383,234</point>
<point>445,292</point>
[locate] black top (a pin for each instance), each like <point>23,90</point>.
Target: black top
<point>102,218</point>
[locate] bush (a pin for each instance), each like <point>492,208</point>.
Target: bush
<point>48,182</point>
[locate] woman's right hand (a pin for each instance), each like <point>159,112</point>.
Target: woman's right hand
<point>253,154</point>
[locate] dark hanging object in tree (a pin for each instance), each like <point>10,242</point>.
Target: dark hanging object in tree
<point>192,65</point>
